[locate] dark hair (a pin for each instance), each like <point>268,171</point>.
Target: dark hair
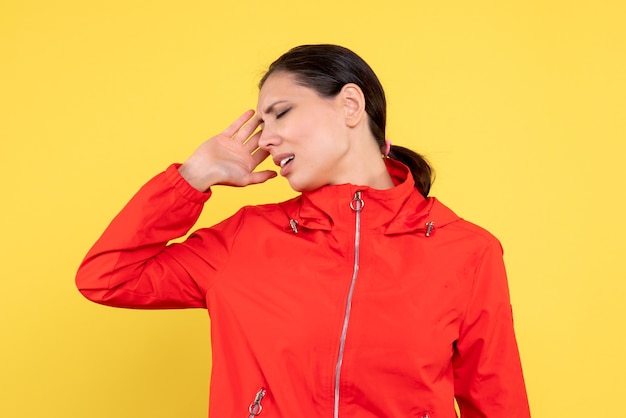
<point>326,69</point>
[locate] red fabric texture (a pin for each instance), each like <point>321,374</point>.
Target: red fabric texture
<point>430,316</point>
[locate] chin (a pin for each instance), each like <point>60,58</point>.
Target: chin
<point>303,186</point>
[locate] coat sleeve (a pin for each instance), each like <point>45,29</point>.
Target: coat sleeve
<point>487,368</point>
<point>132,266</point>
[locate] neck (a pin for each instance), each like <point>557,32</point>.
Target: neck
<point>377,176</point>
<point>367,168</point>
<point>364,164</point>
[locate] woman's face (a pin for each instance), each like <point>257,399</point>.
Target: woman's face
<point>305,134</point>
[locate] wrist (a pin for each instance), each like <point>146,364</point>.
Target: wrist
<point>199,180</point>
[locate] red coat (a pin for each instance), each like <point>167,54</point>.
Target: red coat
<point>387,306</point>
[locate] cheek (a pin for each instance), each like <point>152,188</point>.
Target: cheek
<point>320,122</point>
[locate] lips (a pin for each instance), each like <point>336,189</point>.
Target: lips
<point>283,160</point>
<point>286,160</point>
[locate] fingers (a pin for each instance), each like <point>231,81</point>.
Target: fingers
<point>261,176</point>
<point>238,123</point>
<point>241,131</point>
<point>247,130</point>
<point>259,156</point>
<point>253,142</point>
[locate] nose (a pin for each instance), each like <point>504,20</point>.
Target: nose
<point>268,138</point>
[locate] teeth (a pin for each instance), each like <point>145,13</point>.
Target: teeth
<point>284,161</point>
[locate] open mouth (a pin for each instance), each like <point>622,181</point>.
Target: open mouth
<point>286,161</point>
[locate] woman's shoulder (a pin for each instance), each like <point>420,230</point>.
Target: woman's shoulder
<point>460,226</point>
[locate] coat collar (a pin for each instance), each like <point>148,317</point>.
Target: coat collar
<point>398,210</point>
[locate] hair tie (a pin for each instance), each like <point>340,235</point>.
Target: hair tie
<point>387,147</point>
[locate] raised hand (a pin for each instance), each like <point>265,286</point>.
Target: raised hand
<point>228,158</point>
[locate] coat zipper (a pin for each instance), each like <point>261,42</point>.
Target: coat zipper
<point>255,407</point>
<point>357,205</point>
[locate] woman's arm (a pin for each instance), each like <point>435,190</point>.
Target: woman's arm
<point>132,265</point>
<point>487,369</point>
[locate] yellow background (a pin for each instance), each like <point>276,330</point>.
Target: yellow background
<point>519,105</point>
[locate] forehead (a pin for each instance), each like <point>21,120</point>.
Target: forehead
<point>279,78</point>
<point>281,86</point>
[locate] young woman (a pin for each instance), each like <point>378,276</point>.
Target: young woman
<point>361,297</point>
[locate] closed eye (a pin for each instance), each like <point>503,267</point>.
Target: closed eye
<point>283,113</point>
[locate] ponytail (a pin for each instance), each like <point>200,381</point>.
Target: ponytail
<point>422,172</point>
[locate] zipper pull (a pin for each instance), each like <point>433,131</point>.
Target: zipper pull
<point>255,407</point>
<point>294,225</point>
<point>357,204</point>
<point>430,225</point>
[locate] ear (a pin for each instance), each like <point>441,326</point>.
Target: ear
<point>354,104</point>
